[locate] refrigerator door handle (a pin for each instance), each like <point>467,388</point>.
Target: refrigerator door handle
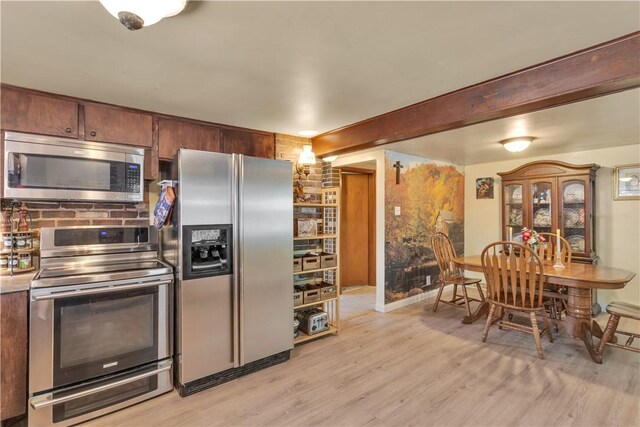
<point>235,293</point>
<point>239,245</point>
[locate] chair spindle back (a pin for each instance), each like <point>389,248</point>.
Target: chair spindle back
<point>514,274</point>
<point>444,252</point>
<point>548,251</point>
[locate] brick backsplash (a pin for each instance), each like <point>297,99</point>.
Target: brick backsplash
<point>65,214</point>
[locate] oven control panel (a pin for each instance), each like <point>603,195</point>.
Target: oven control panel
<point>100,236</point>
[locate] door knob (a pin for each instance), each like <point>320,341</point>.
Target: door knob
<point>68,130</point>
<point>92,133</point>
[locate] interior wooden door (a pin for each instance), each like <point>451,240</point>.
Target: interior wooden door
<point>354,231</point>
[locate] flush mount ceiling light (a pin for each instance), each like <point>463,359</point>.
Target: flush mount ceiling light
<point>135,14</point>
<point>306,159</point>
<point>517,144</point>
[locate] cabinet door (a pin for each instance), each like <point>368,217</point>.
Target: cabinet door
<point>576,220</point>
<point>28,112</point>
<point>542,201</point>
<point>514,215</point>
<point>248,143</point>
<point>176,134</point>
<point>107,124</point>
<point>13,354</point>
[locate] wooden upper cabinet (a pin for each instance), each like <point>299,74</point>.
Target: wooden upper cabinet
<point>25,111</point>
<point>108,124</point>
<point>174,134</point>
<point>249,143</point>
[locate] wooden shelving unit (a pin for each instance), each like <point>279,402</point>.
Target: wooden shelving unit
<point>314,205</point>
<point>312,304</point>
<point>317,237</point>
<point>329,241</point>
<point>304,337</point>
<point>297,273</point>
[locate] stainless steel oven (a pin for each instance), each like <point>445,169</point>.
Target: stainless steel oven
<point>100,324</point>
<point>41,167</point>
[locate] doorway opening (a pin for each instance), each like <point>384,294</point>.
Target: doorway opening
<point>358,229</point>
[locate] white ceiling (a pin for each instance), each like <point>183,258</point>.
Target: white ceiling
<point>292,66</point>
<point>607,121</point>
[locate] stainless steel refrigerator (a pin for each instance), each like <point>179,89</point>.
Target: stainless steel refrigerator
<point>230,241</point>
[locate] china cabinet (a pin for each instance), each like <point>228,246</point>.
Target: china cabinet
<point>551,195</point>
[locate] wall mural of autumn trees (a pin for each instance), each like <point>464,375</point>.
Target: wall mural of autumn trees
<point>431,198</point>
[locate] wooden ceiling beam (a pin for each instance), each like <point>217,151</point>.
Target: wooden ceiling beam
<point>599,70</point>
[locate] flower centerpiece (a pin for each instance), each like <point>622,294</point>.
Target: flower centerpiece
<point>532,238</point>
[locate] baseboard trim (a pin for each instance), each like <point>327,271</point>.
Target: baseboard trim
<point>407,301</point>
<point>414,299</point>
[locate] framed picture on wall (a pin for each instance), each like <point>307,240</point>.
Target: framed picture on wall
<point>626,182</point>
<point>484,188</point>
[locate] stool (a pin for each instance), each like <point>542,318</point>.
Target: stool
<point>617,310</point>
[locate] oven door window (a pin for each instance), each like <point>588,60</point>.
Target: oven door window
<point>65,173</point>
<point>100,334</point>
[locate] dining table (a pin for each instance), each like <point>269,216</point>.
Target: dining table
<point>579,279</point>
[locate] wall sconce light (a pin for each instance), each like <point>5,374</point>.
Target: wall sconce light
<point>142,13</point>
<point>306,159</point>
<point>517,144</point>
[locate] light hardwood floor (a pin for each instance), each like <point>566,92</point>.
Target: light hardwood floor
<point>414,367</point>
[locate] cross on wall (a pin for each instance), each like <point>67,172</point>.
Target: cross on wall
<point>397,167</point>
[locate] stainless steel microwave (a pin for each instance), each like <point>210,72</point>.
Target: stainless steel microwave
<point>48,168</point>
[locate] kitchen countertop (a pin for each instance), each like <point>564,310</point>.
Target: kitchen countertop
<point>18,282</point>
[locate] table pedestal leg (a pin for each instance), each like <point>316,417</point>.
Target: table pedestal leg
<point>578,310</point>
<point>579,320</point>
<point>481,311</point>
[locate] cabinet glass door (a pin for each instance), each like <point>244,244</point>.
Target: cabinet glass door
<point>542,208</point>
<point>574,215</point>
<point>513,212</point>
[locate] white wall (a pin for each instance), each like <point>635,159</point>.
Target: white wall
<point>378,157</point>
<point>617,222</point>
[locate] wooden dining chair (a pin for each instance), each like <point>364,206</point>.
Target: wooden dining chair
<point>450,274</point>
<point>616,310</point>
<point>555,296</point>
<point>548,251</point>
<point>515,279</point>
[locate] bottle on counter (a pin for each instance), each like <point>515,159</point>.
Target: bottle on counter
<point>7,242</point>
<point>23,224</point>
<point>25,261</point>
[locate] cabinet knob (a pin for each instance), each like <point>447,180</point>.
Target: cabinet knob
<point>68,130</point>
<point>92,133</point>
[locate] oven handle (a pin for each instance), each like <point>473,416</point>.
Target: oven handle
<point>51,402</point>
<point>99,290</point>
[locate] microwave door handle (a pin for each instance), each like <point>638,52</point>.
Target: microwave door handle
<point>39,404</point>
<point>100,290</point>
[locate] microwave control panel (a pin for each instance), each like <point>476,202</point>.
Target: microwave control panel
<point>132,178</point>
